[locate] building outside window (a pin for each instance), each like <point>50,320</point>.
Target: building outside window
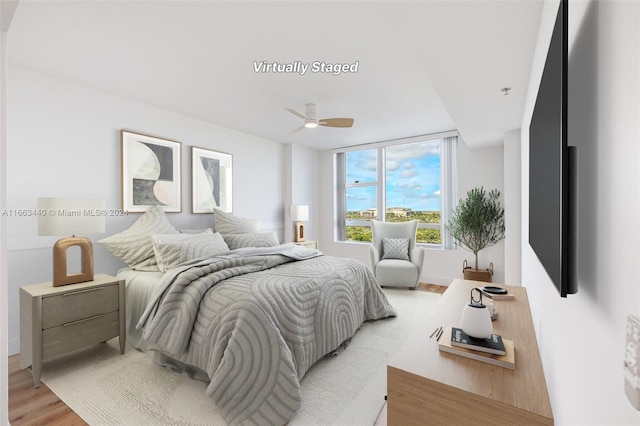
<point>397,181</point>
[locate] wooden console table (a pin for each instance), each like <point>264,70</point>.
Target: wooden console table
<point>426,386</point>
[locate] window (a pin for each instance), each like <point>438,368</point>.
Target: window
<point>397,182</point>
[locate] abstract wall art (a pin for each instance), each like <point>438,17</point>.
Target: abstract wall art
<point>211,180</point>
<point>151,173</point>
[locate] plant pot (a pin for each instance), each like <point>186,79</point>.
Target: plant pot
<point>477,274</point>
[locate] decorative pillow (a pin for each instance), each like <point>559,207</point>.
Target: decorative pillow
<point>395,248</point>
<point>196,231</point>
<point>227,223</point>
<point>173,249</point>
<point>254,239</point>
<point>133,246</point>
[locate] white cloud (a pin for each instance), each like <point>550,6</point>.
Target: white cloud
<point>392,166</point>
<point>353,197</point>
<point>408,173</point>
<point>371,165</point>
<point>412,151</point>
<point>413,185</point>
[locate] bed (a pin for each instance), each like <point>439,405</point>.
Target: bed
<point>251,321</point>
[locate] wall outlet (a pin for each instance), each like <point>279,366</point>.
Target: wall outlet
<point>632,361</point>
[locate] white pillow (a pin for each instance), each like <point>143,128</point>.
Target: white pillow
<point>227,223</point>
<point>254,239</point>
<point>173,249</point>
<point>395,248</point>
<point>196,230</point>
<point>133,246</point>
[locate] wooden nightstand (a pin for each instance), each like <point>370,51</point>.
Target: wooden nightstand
<point>308,244</point>
<point>58,320</point>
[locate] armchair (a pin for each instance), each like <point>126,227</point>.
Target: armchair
<point>395,259</point>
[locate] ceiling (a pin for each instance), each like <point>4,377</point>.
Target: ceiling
<point>423,67</point>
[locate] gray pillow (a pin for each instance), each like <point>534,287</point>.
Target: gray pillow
<point>395,248</point>
<point>254,239</point>
<point>173,249</point>
<point>134,246</point>
<point>227,223</point>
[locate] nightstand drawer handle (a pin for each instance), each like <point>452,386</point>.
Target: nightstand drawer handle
<point>83,320</point>
<point>81,291</point>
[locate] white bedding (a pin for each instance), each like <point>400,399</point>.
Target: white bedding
<point>267,316</point>
<point>140,286</point>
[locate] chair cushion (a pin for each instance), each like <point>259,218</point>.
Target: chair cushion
<point>395,248</point>
<point>394,272</point>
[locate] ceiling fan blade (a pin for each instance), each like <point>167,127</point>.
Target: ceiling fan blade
<point>297,114</point>
<point>296,130</point>
<point>336,122</point>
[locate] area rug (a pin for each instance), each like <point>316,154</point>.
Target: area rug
<point>106,388</point>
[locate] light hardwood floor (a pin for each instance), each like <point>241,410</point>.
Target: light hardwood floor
<point>31,406</point>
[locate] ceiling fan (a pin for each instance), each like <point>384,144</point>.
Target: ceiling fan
<point>311,121</point>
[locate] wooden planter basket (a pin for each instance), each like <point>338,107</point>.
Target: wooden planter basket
<point>477,274</point>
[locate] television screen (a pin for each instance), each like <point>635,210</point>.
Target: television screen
<point>550,217</point>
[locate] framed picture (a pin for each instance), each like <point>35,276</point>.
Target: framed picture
<point>211,180</point>
<point>151,173</point>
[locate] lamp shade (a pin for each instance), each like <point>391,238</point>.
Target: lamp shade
<point>299,213</point>
<point>70,216</point>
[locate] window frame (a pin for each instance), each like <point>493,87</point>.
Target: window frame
<point>448,185</point>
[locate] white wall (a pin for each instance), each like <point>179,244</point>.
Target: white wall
<point>64,141</point>
<point>7,10</point>
<point>512,208</point>
<point>477,167</point>
<point>4,294</point>
<point>301,175</point>
<point>306,181</point>
<point>582,337</point>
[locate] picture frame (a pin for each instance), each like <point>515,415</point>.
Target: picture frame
<point>211,180</point>
<point>151,173</point>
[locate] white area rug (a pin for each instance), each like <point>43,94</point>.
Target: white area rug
<point>106,388</point>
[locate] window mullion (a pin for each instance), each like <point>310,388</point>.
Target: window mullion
<point>341,197</point>
<point>382,216</point>
<point>360,185</point>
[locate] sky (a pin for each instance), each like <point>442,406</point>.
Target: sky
<point>412,177</point>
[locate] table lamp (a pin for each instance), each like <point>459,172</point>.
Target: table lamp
<point>299,214</point>
<point>71,216</point>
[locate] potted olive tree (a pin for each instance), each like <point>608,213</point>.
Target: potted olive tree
<point>476,223</point>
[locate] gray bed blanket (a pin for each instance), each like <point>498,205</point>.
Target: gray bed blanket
<point>255,320</point>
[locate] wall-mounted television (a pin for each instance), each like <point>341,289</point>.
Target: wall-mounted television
<point>552,168</point>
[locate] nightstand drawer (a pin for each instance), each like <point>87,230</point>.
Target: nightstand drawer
<point>78,334</point>
<point>78,304</point>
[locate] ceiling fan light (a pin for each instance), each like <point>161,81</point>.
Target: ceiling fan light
<point>310,124</point>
